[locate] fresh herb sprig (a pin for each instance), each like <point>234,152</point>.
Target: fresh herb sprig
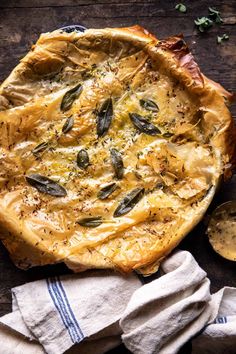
<point>215,15</point>
<point>203,23</point>
<point>181,7</point>
<point>220,39</point>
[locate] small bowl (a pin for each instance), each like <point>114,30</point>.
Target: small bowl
<point>73,28</point>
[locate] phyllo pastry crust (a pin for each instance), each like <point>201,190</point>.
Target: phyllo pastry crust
<point>112,146</point>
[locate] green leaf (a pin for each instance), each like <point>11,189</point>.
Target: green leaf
<point>106,191</point>
<point>93,221</point>
<point>167,135</point>
<point>45,185</point>
<point>83,159</point>
<point>215,15</point>
<point>70,96</point>
<point>68,125</point>
<point>181,7</point>
<point>203,23</point>
<point>117,163</point>
<point>220,39</point>
<point>149,105</point>
<point>129,202</point>
<point>104,117</point>
<point>40,148</point>
<point>143,125</point>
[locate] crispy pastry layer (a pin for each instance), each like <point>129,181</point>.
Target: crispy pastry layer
<point>169,124</point>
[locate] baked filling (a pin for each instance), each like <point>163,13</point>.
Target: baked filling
<point>109,156</point>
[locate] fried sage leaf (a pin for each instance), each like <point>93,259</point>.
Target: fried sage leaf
<point>104,117</point>
<point>93,221</point>
<point>129,202</point>
<point>70,96</point>
<point>143,125</point>
<point>167,135</point>
<point>106,191</point>
<point>40,148</point>
<point>149,105</point>
<point>83,159</point>
<point>68,125</point>
<point>46,185</point>
<point>117,163</point>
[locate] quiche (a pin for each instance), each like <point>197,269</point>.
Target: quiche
<point>112,146</point>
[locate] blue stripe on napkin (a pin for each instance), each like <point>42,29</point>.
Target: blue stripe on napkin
<point>69,308</point>
<point>222,319</point>
<point>61,302</point>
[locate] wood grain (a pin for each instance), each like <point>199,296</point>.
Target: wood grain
<point>21,22</point>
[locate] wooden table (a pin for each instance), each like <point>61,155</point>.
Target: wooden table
<point>21,22</point>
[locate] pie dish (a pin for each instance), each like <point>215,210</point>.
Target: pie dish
<point>112,146</point>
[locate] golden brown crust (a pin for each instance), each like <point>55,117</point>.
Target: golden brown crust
<point>179,49</point>
<point>24,89</point>
<point>138,31</point>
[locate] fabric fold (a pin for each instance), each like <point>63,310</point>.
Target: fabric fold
<point>61,312</point>
<point>91,312</point>
<point>162,315</point>
<point>219,336</point>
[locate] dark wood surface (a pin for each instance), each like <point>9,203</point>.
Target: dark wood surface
<point>21,22</point>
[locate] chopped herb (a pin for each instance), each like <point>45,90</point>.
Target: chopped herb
<point>215,15</point>
<point>181,7</point>
<point>220,39</point>
<point>203,23</point>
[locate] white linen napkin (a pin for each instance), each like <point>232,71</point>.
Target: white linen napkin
<point>62,311</point>
<point>219,336</point>
<point>80,313</point>
<point>164,314</point>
